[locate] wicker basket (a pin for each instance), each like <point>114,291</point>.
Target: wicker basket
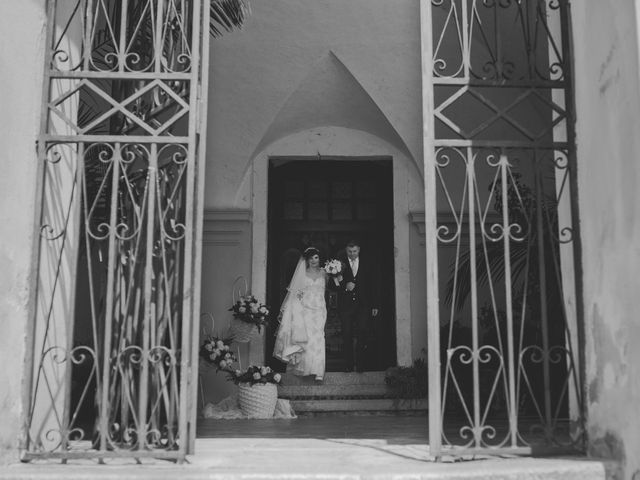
<point>242,331</point>
<point>259,400</point>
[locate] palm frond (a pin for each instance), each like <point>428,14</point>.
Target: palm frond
<point>490,266</point>
<point>227,15</point>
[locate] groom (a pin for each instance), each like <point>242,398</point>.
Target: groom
<point>358,298</point>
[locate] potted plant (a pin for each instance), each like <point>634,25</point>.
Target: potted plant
<point>408,383</point>
<point>257,390</point>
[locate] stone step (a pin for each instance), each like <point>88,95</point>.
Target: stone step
<point>337,378</point>
<point>333,391</point>
<point>345,392</point>
<point>382,405</point>
<point>335,385</point>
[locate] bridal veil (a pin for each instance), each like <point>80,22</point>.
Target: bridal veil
<point>292,334</point>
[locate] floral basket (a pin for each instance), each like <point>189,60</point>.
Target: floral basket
<point>242,331</point>
<point>257,390</point>
<point>258,400</point>
<point>249,315</point>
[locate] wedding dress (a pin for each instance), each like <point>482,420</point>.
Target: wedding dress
<point>300,338</point>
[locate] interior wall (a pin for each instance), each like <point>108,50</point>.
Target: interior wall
<point>608,122</point>
<point>226,241</point>
<point>22,25</point>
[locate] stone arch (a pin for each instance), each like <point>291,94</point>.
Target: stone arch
<point>330,95</point>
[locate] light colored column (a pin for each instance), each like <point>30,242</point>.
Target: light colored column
<point>21,51</point>
<point>430,224</point>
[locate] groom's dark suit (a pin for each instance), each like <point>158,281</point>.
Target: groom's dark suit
<point>354,309</point>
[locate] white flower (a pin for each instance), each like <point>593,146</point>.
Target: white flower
<point>226,348</point>
<point>263,309</point>
<point>254,308</point>
<point>333,267</point>
<point>256,376</point>
<point>227,355</point>
<point>223,363</point>
<point>220,344</point>
<point>208,347</point>
<point>277,377</point>
<point>213,356</point>
<point>238,373</point>
<point>242,309</point>
<point>264,371</point>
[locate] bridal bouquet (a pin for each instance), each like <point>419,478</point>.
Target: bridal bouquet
<point>255,375</point>
<point>217,351</point>
<point>333,267</point>
<point>250,310</point>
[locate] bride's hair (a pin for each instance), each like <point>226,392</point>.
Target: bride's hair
<point>310,252</point>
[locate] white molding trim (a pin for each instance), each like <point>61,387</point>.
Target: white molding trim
<point>238,215</point>
<point>219,228</point>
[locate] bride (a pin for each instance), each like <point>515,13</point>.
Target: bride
<point>300,337</point>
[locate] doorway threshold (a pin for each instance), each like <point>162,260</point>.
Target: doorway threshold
<point>340,447</point>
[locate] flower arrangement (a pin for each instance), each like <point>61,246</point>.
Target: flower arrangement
<point>333,267</point>
<point>217,351</point>
<point>250,310</point>
<point>255,375</point>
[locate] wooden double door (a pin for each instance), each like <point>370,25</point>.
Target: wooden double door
<point>325,203</point>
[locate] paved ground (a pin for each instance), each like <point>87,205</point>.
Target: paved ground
<point>367,447</point>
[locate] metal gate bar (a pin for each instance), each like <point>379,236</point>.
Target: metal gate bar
<point>499,168</point>
<point>112,325</point>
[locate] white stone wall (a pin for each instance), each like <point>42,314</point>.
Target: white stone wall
<point>21,55</point>
<point>284,47</point>
<point>608,138</point>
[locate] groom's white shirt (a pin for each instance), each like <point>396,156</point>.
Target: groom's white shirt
<point>354,265</point>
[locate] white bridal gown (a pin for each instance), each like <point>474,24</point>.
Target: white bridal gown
<point>300,338</point>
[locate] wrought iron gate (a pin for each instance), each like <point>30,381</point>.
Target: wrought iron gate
<point>121,166</point>
<point>499,171</point>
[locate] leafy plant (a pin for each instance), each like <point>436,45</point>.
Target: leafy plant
<point>227,15</point>
<point>408,382</point>
<point>526,275</point>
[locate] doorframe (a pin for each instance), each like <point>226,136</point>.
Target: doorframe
<point>366,147</point>
<point>376,233</point>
